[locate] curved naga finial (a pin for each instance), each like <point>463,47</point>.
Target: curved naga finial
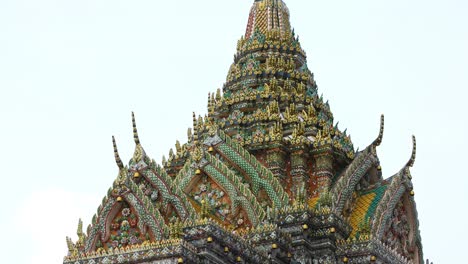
<point>210,103</point>
<point>135,131</point>
<point>413,154</point>
<point>195,129</point>
<point>378,140</point>
<point>116,154</point>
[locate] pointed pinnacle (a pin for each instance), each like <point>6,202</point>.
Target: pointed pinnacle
<point>79,230</point>
<point>379,138</point>
<point>116,154</point>
<point>194,119</point>
<point>135,131</point>
<point>195,129</point>
<point>189,133</point>
<point>413,154</point>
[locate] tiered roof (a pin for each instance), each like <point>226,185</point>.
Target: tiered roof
<point>270,97</point>
<point>265,172</point>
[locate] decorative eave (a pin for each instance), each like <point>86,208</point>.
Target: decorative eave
<point>365,160</point>
<point>125,189</point>
<point>165,249</point>
<point>401,184</point>
<point>143,166</point>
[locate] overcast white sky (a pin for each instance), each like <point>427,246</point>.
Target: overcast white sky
<point>72,71</point>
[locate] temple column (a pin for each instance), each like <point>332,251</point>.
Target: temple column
<point>298,170</point>
<point>276,163</point>
<point>323,161</point>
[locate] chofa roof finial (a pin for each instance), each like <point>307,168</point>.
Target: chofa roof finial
<point>116,154</point>
<point>135,131</point>
<point>413,154</point>
<point>139,154</point>
<point>195,129</point>
<point>79,230</point>
<point>378,140</point>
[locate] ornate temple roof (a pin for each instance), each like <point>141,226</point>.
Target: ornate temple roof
<point>270,98</point>
<point>268,15</point>
<point>265,176</point>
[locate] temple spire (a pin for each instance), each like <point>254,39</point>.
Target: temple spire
<point>413,154</point>
<point>195,129</point>
<point>268,15</point>
<point>135,131</point>
<point>139,154</point>
<point>379,138</point>
<point>116,154</point>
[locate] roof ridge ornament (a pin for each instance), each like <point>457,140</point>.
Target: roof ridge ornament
<point>413,154</point>
<point>135,131</point>
<point>116,154</point>
<point>378,140</point>
<point>195,129</point>
<point>139,154</point>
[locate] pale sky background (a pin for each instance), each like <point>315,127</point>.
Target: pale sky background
<point>71,72</point>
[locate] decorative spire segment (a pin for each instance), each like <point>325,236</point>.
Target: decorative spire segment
<point>378,140</point>
<point>211,104</point>
<point>195,129</point>
<point>135,131</point>
<point>139,154</point>
<point>116,154</point>
<point>72,250</point>
<point>413,154</point>
<point>267,15</point>
<point>79,230</point>
<point>81,235</point>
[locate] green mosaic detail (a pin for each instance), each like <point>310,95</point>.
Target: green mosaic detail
<point>163,186</point>
<point>147,212</point>
<point>102,213</point>
<point>184,176</point>
<point>220,179</point>
<point>393,194</point>
<point>379,192</point>
<point>178,193</point>
<point>236,181</point>
<point>345,186</point>
<point>250,166</point>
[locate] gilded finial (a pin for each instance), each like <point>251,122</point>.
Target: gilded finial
<point>218,94</point>
<point>79,230</point>
<point>195,129</point>
<point>178,146</point>
<point>116,154</point>
<point>189,133</point>
<point>72,250</point>
<point>81,235</point>
<point>210,104</point>
<point>139,154</point>
<point>413,154</point>
<point>70,244</point>
<point>378,140</point>
<point>135,131</point>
